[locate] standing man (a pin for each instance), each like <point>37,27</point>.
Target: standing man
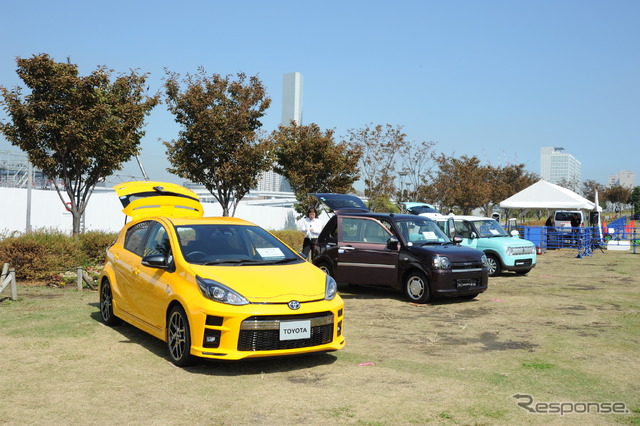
<point>575,227</point>
<point>311,226</point>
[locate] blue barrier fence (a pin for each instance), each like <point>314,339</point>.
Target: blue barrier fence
<point>583,239</point>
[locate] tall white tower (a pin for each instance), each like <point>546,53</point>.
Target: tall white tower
<point>291,111</point>
<point>292,98</point>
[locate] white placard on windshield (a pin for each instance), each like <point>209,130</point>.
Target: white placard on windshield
<point>429,235</point>
<point>494,231</point>
<point>270,252</point>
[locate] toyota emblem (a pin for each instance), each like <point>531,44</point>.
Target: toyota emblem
<point>294,305</point>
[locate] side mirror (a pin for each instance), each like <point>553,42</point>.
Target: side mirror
<point>457,239</point>
<point>392,243</point>
<point>473,235</point>
<point>451,227</point>
<point>158,261</point>
<point>515,233</point>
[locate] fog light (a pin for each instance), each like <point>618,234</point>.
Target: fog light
<point>211,338</point>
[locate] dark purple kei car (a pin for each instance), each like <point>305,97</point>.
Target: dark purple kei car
<point>405,252</point>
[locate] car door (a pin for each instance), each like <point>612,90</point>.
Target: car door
<point>126,265</point>
<point>150,288</point>
<point>364,255</point>
<point>466,231</point>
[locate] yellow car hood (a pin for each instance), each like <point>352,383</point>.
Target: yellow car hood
<point>271,283</point>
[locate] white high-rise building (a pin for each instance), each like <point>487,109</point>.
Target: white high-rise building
<point>623,178</point>
<point>557,165</point>
<point>291,111</point>
<point>292,98</point>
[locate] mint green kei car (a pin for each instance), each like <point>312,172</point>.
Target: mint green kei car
<point>504,252</point>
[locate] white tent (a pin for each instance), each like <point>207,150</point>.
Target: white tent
<point>545,195</point>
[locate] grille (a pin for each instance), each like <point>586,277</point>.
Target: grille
<point>263,333</point>
<point>515,251</point>
<point>465,265</point>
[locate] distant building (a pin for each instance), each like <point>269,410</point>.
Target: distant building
<point>292,98</point>
<point>623,178</point>
<point>271,181</point>
<point>291,111</point>
<point>557,166</point>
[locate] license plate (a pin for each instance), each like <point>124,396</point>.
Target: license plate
<point>294,330</point>
<point>466,283</point>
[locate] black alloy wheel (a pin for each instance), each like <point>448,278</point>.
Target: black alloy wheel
<point>179,337</point>
<point>106,305</point>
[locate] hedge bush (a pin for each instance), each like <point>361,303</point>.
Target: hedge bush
<point>43,254</point>
<point>291,238</point>
<point>93,245</point>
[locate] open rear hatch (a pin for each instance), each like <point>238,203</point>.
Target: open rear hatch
<point>342,203</point>
<point>146,198</point>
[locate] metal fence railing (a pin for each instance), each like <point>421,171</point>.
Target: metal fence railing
<point>585,240</point>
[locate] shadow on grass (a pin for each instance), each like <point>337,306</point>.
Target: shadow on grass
<point>349,291</point>
<point>211,367</point>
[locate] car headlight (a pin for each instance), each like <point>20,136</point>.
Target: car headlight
<point>330,288</point>
<point>441,262</point>
<point>220,293</point>
<point>484,260</point>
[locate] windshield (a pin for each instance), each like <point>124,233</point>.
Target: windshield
<point>211,244</point>
<point>421,232</point>
<point>565,216</point>
<point>488,228</point>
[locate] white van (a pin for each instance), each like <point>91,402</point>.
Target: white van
<point>562,218</point>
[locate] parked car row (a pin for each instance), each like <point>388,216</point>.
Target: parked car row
<point>224,288</point>
<point>504,252</point>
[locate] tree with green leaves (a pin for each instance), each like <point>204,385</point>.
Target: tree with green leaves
<point>219,145</point>
<point>380,146</point>
<point>618,195</point>
<point>77,129</point>
<point>312,161</point>
<point>589,189</point>
<point>460,182</point>
<point>504,181</point>
<point>634,200</point>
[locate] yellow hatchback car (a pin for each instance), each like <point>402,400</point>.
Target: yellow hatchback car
<point>213,287</point>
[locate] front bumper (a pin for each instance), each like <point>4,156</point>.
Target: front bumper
<point>252,331</point>
<point>520,264</point>
<point>459,282</point>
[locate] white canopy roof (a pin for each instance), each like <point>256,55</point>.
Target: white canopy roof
<point>545,195</point>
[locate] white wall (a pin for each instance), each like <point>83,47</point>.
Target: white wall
<point>104,212</point>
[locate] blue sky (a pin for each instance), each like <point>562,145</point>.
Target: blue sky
<point>495,79</point>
